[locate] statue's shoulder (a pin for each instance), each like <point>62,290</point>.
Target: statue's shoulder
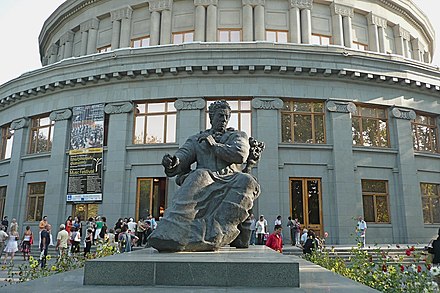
<point>232,131</point>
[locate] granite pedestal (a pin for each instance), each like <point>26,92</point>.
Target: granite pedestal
<point>229,267</point>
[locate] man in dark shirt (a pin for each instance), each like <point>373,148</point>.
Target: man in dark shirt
<point>5,223</point>
<point>44,244</point>
<point>435,249</point>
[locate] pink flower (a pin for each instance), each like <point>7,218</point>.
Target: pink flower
<point>419,269</point>
<point>408,252</point>
<point>412,248</point>
<point>402,268</point>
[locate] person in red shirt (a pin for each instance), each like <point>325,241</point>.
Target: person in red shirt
<point>275,241</point>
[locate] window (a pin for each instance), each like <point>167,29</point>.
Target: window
<point>104,49</point>
<point>360,46</point>
<point>303,122</point>
<point>2,201</point>
<point>320,40</point>
<point>229,36</point>
<point>370,127</point>
<point>154,122</point>
<point>375,201</point>
<point>425,133</point>
<point>430,202</point>
<point>276,36</point>
<point>35,201</point>
<point>240,115</point>
<point>6,139</point>
<point>41,135</point>
<point>183,37</point>
<point>140,42</point>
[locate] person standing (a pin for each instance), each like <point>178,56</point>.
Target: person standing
<point>140,231</point>
<point>434,248</point>
<point>44,244</point>
<point>278,222</point>
<point>41,227</point>
<point>14,225</point>
<point>304,237</point>
<point>5,223</point>
<point>260,229</point>
<point>3,237</point>
<point>292,230</point>
<point>252,228</point>
<point>361,229</point>
<point>26,242</point>
<point>275,241</point>
<point>12,244</point>
<point>88,241</point>
<point>311,243</point>
<point>62,241</point>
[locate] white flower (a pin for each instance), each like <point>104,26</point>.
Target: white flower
<point>435,271</point>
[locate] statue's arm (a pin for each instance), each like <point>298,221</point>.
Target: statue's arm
<point>236,150</point>
<point>181,161</point>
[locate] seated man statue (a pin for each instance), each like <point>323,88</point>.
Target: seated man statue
<point>214,198</point>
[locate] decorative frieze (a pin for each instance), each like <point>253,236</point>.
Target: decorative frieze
<point>376,20</point>
<point>189,104</point>
<point>253,2</point>
<point>121,13</point>
<point>67,37</point>
<point>59,115</point>
<point>342,10</point>
<point>118,108</point>
<point>341,107</point>
<point>402,113</point>
<point>89,24</point>
<point>301,4</point>
<point>205,2</point>
<point>267,103</point>
<point>159,5</point>
<point>19,123</point>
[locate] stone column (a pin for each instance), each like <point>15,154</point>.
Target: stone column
<point>373,36</point>
<point>248,22</point>
<point>67,41</point>
<point>188,109</point>
<point>89,30</point>
<point>116,34</point>
<point>116,198</point>
<point>408,194</point>
<point>268,169</point>
<point>55,193</point>
<point>338,32</point>
<point>125,16</point>
<point>53,52</point>
<point>84,29</point>
<point>348,201</point>
<point>398,40</point>
<point>16,192</point>
<point>306,26</point>
<point>211,24</point>
<point>417,46</point>
<point>200,19</point>
<point>382,39</point>
<point>348,31</point>
<point>260,24</point>
<point>165,27</point>
<point>294,24</point>
<point>154,28</point>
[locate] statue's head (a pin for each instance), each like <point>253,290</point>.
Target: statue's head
<point>219,114</point>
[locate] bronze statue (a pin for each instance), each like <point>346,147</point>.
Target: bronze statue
<point>214,198</point>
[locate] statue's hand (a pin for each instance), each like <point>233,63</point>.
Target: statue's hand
<point>170,162</point>
<point>208,138</point>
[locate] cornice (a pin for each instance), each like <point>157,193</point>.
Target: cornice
<point>205,2</point>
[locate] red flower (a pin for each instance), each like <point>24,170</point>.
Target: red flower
<point>402,268</point>
<point>408,252</point>
<point>419,269</point>
<point>384,268</point>
<point>412,248</point>
<point>428,266</point>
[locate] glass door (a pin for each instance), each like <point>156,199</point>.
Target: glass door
<point>150,197</point>
<point>305,199</point>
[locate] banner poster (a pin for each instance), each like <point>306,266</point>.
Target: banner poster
<point>85,154</point>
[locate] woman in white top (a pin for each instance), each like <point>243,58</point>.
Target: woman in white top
<point>260,229</point>
<point>12,245</point>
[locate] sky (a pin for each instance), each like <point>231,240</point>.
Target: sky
<point>19,51</point>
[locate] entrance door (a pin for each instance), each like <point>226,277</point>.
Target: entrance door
<point>150,197</point>
<point>306,203</point>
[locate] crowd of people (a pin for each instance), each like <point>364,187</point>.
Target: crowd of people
<point>74,234</point>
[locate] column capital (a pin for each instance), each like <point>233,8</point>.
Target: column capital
<point>67,37</point>
<point>20,123</point>
<point>53,49</point>
<point>89,24</point>
<point>59,115</point>
<point>343,10</point>
<point>205,2</point>
<point>253,2</point>
<point>341,106</point>
<point>301,4</point>
<point>376,20</point>
<point>267,103</point>
<point>402,113</point>
<point>159,5</point>
<point>190,104</point>
<point>401,32</point>
<point>121,13</point>
<point>118,108</point>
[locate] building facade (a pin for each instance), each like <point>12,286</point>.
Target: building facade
<point>342,92</point>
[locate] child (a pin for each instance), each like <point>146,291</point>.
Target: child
<point>88,241</point>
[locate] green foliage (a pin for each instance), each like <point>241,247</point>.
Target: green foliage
<point>378,269</point>
<point>64,263</point>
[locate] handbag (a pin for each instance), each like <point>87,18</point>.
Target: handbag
<point>31,241</point>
